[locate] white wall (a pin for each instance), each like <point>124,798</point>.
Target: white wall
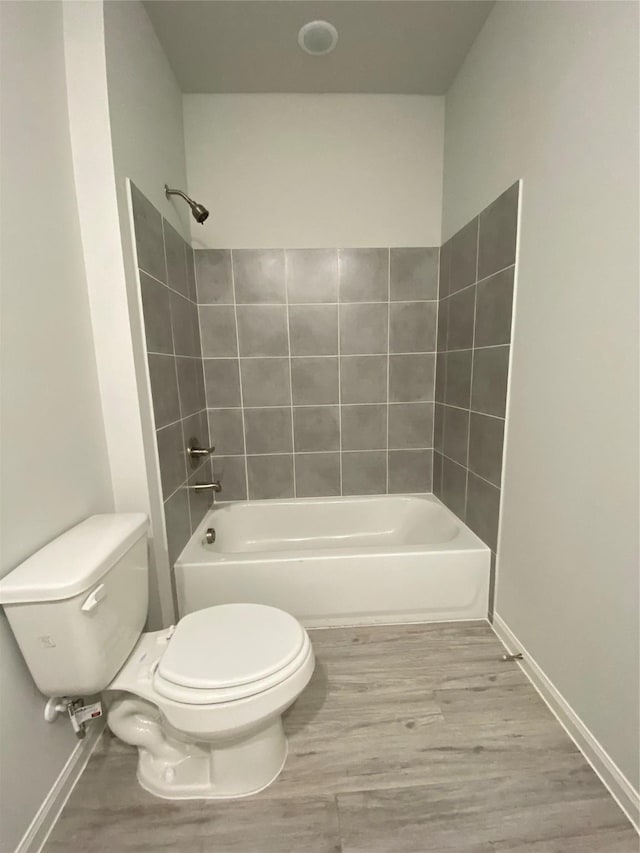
<point>549,93</point>
<point>315,170</point>
<point>54,461</point>
<point>147,138</point>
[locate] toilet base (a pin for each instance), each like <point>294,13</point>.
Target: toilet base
<point>214,772</point>
<point>177,769</point>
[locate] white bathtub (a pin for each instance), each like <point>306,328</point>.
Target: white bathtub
<point>339,561</point>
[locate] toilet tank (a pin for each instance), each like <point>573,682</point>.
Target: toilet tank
<point>78,606</point>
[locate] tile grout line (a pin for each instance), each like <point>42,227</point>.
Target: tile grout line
<point>331,355</point>
<point>480,280</point>
<point>473,344</point>
<point>339,357</point>
<point>175,365</point>
<point>435,369</point>
<point>469,471</point>
<point>388,358</point>
<point>316,304</point>
<point>244,431</point>
<point>293,440</point>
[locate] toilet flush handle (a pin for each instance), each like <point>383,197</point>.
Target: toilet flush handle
<point>94,598</point>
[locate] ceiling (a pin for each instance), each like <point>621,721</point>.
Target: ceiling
<point>384,46</point>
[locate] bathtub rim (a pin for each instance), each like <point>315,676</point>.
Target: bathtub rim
<point>195,553</point>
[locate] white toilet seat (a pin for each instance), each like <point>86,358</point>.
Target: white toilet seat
<point>229,652</point>
<point>220,695</point>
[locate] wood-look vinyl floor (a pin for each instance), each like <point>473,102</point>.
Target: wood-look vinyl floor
<point>409,739</point>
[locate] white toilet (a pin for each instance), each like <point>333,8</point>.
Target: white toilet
<point>203,701</point>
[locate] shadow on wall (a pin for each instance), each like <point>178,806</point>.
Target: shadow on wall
<point>472,371</point>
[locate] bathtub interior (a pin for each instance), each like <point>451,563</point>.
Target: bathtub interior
<point>326,523</point>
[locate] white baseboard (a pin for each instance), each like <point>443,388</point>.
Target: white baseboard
<point>609,773</point>
<point>34,838</point>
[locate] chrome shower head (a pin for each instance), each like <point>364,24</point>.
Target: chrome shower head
<point>198,211</point>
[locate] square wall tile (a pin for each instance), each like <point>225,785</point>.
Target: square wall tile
<point>268,430</point>
<point>364,473</point>
<point>410,425</point>
<point>410,471</point>
<point>156,307</point>
<point>486,439</point>
<point>313,329</point>
<point>464,251</point>
<point>147,226</point>
<point>226,431</point>
<point>213,276</point>
<point>412,326</point>
<point>317,475</point>
<point>176,259</point>
<point>172,458</point>
<point>270,476</point>
<point>458,378</point>
<point>460,308</point>
<point>454,486</point>
<point>441,377</point>
<point>363,329</point>
<point>437,474</point>
<point>490,372</point>
<point>222,382</point>
<point>483,509</point>
<point>314,381</point>
<point>185,325</point>
<point>177,523</point>
<point>231,472</point>
<point>411,378</point>
<point>364,275</point>
<point>192,292</point>
<point>312,275</point>
<point>364,427</point>
<point>262,330</point>
<point>494,306</point>
<point>190,385</point>
<point>414,273</point>
<point>259,275</point>
<point>265,381</point>
<point>443,325</point>
<point>164,389</point>
<point>498,226</point>
<point>438,426</point>
<point>456,434</point>
<point>218,328</point>
<point>363,378</point>
<point>444,272</point>
<point>316,428</point>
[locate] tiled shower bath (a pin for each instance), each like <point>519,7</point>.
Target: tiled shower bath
<point>319,369</point>
<point>477,269</point>
<point>314,371</point>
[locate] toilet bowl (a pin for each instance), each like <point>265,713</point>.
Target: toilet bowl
<point>202,701</point>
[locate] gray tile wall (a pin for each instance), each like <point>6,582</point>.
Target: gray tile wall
<point>168,292</point>
<point>319,369</point>
<point>477,267</point>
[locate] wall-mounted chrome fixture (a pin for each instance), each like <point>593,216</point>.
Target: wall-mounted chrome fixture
<point>195,452</point>
<point>199,211</point>
<point>204,487</point>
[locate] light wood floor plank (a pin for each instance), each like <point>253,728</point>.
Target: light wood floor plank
<point>409,739</point>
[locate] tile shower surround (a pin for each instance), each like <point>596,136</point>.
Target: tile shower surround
<point>319,369</point>
<point>477,267</point>
<point>168,293</point>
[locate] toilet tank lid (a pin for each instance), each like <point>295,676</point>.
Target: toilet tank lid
<point>75,560</point>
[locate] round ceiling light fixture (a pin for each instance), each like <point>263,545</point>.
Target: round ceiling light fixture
<point>318,38</point>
